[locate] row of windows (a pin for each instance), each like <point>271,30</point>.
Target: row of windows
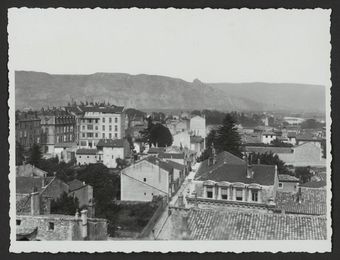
<point>239,194</point>
<point>90,127</point>
<point>29,125</point>
<point>96,135</point>
<point>64,138</point>
<point>110,120</point>
<point>90,120</point>
<point>25,133</point>
<point>64,129</point>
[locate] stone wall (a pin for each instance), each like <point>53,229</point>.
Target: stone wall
<point>64,227</point>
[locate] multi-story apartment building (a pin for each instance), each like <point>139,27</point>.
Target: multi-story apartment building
<point>58,126</point>
<point>27,129</point>
<point>100,122</point>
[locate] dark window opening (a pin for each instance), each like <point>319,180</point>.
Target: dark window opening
<point>18,222</point>
<point>50,226</point>
<point>144,179</point>
<point>254,196</point>
<point>209,194</point>
<point>239,195</point>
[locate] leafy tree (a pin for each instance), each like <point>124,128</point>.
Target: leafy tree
<point>156,134</point>
<point>311,124</point>
<point>129,139</point>
<point>35,155</point>
<point>227,137</point>
<point>196,113</point>
<point>106,186</point>
<point>121,163</point>
<point>19,154</point>
<point>65,205</point>
<point>303,173</point>
<point>269,159</point>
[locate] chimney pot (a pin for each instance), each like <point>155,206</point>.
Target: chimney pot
<point>35,203</point>
<point>84,223</point>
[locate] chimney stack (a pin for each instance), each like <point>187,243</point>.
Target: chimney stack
<point>250,172</point>
<point>180,201</point>
<point>35,203</point>
<point>84,223</point>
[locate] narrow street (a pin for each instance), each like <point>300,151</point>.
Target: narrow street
<point>165,215</point>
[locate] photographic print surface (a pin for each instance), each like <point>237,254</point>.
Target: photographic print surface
<point>169,130</point>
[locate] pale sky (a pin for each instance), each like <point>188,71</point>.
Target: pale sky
<point>285,46</point>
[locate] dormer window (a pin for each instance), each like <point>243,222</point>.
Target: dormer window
<point>239,194</point>
<point>209,192</point>
<point>254,195</point>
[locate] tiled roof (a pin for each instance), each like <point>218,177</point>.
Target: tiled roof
<point>155,150</point>
<point>196,139</point>
<point>263,174</point>
<point>23,205</point>
<point>111,143</point>
<point>29,170</point>
<point>268,149</point>
<point>287,178</point>
<point>74,109</point>
<point>314,184</point>
<point>87,151</point>
<point>160,163</point>
<point>307,137</point>
<point>176,165</point>
<point>233,225</point>
<point>313,202</point>
<point>102,109</point>
<point>26,185</point>
<point>171,155</point>
<point>65,145</point>
<point>75,185</point>
<point>221,158</point>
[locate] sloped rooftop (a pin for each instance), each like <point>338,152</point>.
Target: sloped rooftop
<point>233,225</point>
<point>313,202</point>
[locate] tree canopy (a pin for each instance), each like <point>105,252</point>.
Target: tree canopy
<point>225,138</point>
<point>303,173</point>
<point>157,135</point>
<point>311,124</point>
<point>35,155</point>
<point>269,159</point>
<point>19,154</point>
<point>65,205</point>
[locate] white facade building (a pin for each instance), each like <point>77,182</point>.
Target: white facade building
<point>100,122</point>
<point>198,126</point>
<point>110,150</point>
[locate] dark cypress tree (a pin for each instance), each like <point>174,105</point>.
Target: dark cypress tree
<point>19,154</point>
<point>35,155</point>
<point>227,137</point>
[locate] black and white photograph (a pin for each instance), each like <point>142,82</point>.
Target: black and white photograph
<point>166,130</point>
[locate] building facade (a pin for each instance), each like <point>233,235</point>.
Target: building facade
<point>27,129</point>
<point>58,126</point>
<point>100,122</point>
<point>145,179</point>
<point>198,126</point>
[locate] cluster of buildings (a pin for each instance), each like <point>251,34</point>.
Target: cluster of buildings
<point>77,132</point>
<point>35,220</point>
<point>230,198</point>
<point>223,197</point>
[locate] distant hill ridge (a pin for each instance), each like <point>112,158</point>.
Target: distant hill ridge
<point>38,89</point>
